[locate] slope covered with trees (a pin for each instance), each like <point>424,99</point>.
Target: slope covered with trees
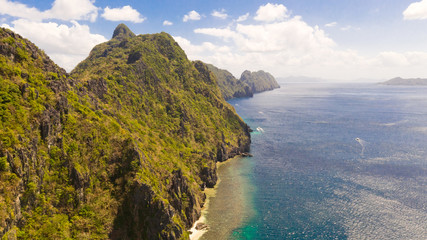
<point>248,84</point>
<point>230,86</point>
<point>121,148</point>
<point>259,81</point>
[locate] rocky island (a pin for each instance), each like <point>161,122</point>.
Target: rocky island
<point>248,84</point>
<point>406,81</point>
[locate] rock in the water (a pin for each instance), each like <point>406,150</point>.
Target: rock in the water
<point>201,226</point>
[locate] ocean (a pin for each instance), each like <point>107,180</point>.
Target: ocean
<point>330,161</point>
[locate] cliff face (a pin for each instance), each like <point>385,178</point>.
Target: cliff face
<point>122,148</point>
<point>230,86</point>
<point>259,81</point>
<point>248,84</point>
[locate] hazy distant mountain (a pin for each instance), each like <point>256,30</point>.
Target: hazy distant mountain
<point>305,79</point>
<point>406,81</point>
<point>301,79</point>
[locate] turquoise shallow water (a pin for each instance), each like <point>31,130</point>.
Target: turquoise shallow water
<point>231,205</point>
<point>311,179</point>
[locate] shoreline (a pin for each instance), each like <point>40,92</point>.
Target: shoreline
<point>210,192</point>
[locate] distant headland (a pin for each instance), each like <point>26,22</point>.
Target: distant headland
<point>406,81</point>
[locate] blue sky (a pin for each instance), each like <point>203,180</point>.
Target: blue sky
<point>334,39</point>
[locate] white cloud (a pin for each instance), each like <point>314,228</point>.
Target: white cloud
<point>349,27</point>
<point>292,47</point>
<point>291,35</point>
<point>271,12</point>
<point>406,59</point>
<point>221,56</point>
<point>331,24</point>
<point>346,28</point>
<point>167,23</point>
<point>192,15</point>
<point>324,61</point>
<point>392,59</point>
<point>66,45</point>
<point>267,46</point>
<point>19,10</point>
<point>243,18</point>
<point>225,33</point>
<point>416,58</point>
<point>61,9</point>
<point>72,10</point>
<point>125,13</point>
<point>195,50</point>
<point>219,14</point>
<point>416,11</point>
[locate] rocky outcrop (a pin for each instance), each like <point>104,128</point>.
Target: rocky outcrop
<point>208,175</point>
<point>122,32</point>
<point>259,81</point>
<point>184,200</point>
<point>143,216</point>
<point>248,84</point>
<point>226,150</point>
<point>230,86</point>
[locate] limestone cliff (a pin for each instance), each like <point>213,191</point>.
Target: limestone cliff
<point>259,81</point>
<point>121,148</point>
<point>230,86</point>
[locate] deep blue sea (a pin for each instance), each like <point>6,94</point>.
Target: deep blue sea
<point>331,161</point>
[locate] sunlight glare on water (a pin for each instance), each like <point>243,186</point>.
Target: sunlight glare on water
<point>344,161</point>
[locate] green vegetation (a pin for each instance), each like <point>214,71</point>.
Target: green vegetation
<point>230,86</point>
<point>259,81</point>
<point>121,148</point>
<point>248,84</point>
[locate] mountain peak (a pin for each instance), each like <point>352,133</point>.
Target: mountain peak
<point>122,31</point>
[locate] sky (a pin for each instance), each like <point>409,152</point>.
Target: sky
<point>330,39</point>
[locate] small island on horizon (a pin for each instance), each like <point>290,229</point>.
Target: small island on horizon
<point>406,81</point>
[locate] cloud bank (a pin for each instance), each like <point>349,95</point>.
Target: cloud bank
<point>61,10</point>
<point>271,12</point>
<point>286,45</point>
<point>416,11</point>
<point>66,45</point>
